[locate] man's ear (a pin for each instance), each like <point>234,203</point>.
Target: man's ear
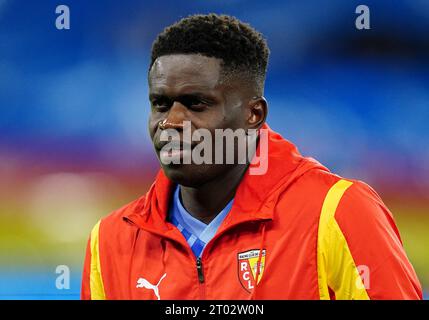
<point>257,112</point>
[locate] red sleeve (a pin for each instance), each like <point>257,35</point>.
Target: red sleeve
<point>375,244</point>
<point>85,293</point>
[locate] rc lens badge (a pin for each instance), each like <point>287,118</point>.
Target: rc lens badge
<point>247,268</point>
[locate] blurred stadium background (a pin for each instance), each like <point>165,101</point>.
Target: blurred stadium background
<point>73,112</point>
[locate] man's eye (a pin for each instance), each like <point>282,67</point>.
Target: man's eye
<point>159,105</point>
<point>196,104</point>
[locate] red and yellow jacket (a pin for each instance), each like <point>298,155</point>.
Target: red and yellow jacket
<point>321,237</point>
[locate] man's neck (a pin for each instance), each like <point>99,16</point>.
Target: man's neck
<point>206,201</point>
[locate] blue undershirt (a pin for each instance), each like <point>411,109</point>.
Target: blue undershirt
<point>196,232</point>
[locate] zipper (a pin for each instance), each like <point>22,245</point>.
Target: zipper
<point>201,279</point>
<point>200,271</point>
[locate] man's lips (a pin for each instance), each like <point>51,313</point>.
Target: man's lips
<point>172,154</point>
<point>174,145</point>
<point>174,151</point>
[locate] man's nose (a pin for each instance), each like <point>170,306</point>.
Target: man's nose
<point>176,116</point>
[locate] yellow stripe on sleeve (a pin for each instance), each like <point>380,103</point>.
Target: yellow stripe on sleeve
<point>95,278</point>
<point>335,265</point>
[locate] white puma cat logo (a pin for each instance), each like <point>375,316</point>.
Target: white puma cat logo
<point>143,283</point>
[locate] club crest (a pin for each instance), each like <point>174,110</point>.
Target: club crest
<point>247,268</point>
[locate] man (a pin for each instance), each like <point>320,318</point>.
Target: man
<point>214,230</point>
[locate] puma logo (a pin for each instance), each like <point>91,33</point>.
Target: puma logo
<point>143,283</point>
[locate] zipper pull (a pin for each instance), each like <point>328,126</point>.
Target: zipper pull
<point>200,270</point>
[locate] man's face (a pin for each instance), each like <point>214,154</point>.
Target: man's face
<point>187,88</point>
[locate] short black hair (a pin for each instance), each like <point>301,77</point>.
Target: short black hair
<point>241,48</point>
